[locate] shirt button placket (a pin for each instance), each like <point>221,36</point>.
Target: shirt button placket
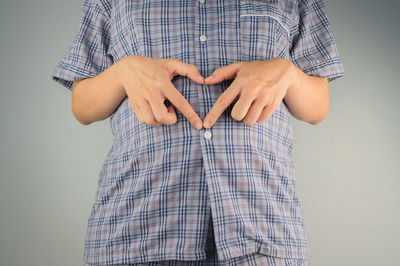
<point>204,93</point>
<point>203,38</point>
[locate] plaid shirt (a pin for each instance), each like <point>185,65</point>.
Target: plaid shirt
<point>159,186</point>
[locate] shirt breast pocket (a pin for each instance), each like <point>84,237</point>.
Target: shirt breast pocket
<point>264,31</point>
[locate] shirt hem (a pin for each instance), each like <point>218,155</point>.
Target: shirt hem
<point>118,258</point>
<point>331,69</point>
<point>266,249</point>
<point>65,74</point>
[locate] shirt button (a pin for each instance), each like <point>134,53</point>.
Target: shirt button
<point>202,1</point>
<point>207,134</point>
<point>203,38</point>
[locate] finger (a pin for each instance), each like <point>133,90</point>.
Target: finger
<point>162,114</point>
<point>171,109</point>
<point>223,101</point>
<point>177,99</point>
<point>147,116</point>
<point>224,73</point>
<point>254,112</point>
<point>178,67</point>
<point>241,107</point>
<point>267,112</point>
<point>134,107</point>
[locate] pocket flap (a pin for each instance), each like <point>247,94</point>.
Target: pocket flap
<point>267,9</point>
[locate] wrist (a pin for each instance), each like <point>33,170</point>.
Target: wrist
<point>117,75</point>
<point>295,77</point>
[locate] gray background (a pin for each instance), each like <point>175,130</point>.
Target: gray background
<point>347,166</point>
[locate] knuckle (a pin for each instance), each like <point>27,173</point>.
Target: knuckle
<point>250,123</point>
<point>133,105</point>
<point>140,119</point>
<point>131,102</point>
<point>169,122</point>
<point>236,117</point>
<point>271,101</point>
<point>258,88</point>
<point>244,79</point>
<point>154,123</point>
<point>246,122</point>
<point>146,95</point>
<point>275,104</point>
<point>145,121</point>
<point>238,63</point>
<point>158,83</point>
<point>162,119</point>
<point>193,67</point>
<point>235,114</point>
<point>172,121</point>
<point>158,118</point>
<point>165,62</point>
<point>150,121</point>
<point>152,94</point>
<point>267,99</point>
<point>174,60</point>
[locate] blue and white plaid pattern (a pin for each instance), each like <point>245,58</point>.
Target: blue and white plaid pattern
<point>159,186</point>
<point>253,259</point>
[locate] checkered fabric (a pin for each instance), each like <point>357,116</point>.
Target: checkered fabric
<point>255,259</point>
<point>159,186</point>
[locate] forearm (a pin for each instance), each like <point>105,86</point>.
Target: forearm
<point>96,98</point>
<point>308,97</point>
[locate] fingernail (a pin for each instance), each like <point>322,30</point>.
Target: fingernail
<point>207,123</point>
<point>200,78</point>
<point>198,125</point>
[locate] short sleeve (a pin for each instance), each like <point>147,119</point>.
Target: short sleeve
<point>313,48</point>
<point>87,55</point>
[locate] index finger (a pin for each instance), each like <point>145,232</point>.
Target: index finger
<point>177,99</point>
<point>223,101</point>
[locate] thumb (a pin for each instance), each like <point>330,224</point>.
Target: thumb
<point>178,67</point>
<point>223,73</point>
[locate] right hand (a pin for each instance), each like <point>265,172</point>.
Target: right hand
<point>147,83</point>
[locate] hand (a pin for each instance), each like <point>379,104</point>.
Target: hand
<point>147,83</point>
<point>260,85</point>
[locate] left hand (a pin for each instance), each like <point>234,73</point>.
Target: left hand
<point>261,86</point>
